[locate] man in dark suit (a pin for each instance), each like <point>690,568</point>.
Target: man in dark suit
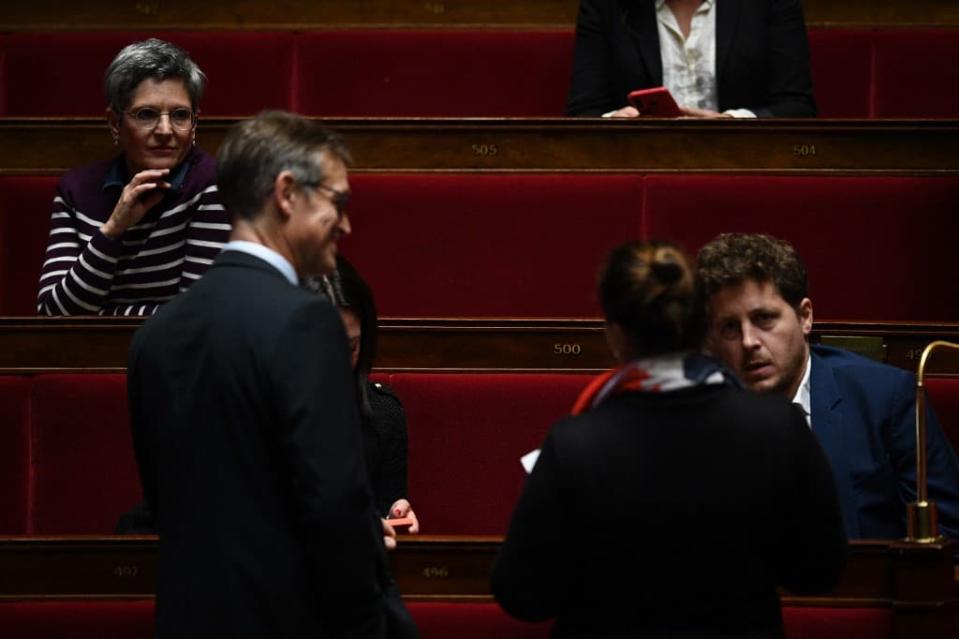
<point>757,48</point>
<point>862,412</point>
<point>244,422</point>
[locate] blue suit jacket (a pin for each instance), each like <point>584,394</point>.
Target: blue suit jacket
<point>863,414</point>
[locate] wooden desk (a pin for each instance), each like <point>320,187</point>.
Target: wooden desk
<point>327,14</point>
<point>916,582</point>
<point>37,344</point>
<point>50,146</point>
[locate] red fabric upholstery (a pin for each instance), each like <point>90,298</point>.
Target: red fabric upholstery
<point>134,619</point>
<point>466,435</point>
<point>471,621</point>
<point>837,623</point>
<point>24,224</point>
<point>915,73</point>
<point>488,245</point>
<point>856,72</point>
<point>62,73</point>
<point>466,621</point>
<point>434,73</point>
<point>942,393</point>
<point>873,246</point>
<point>84,469</point>
<point>14,454</point>
<point>77,619</point>
<point>841,61</point>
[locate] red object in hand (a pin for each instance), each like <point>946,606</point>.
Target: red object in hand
<point>656,102</point>
<point>400,524</point>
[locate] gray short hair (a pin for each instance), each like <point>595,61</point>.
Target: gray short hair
<point>156,59</point>
<point>255,151</point>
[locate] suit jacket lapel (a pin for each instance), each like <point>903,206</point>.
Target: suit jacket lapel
<point>643,29</point>
<point>727,17</point>
<point>826,408</point>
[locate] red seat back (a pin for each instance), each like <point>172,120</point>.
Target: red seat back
<point>488,245</point>
<point>467,433</point>
<point>873,246</point>
<point>915,73</point>
<point>25,204</point>
<point>14,454</point>
<point>420,72</point>
<point>841,64</point>
<point>85,475</point>
<point>61,73</point>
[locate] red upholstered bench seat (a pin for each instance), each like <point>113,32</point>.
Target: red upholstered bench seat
<point>530,245</point>
<point>455,245</point>
<point>14,454</point>
<point>77,619</point>
<point>434,72</point>
<point>874,246</point>
<point>467,433</point>
<point>67,467</point>
<point>61,73</point>
<point>94,619</point>
<point>437,72</point>
<point>25,204</point>
<point>85,475</point>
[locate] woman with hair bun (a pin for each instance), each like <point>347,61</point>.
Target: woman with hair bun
<point>672,503</point>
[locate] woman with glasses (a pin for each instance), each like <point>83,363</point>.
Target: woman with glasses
<point>129,233</point>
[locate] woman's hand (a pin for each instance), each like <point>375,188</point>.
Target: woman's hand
<point>401,508</point>
<point>389,535</point>
<point>140,195</point>
<point>625,112</point>
<point>693,112</point>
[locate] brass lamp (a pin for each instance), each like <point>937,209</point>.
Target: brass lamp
<point>922,520</point>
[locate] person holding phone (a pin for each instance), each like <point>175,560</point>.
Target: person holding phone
<point>382,419</point>
<point>718,58</point>
<point>129,233</point>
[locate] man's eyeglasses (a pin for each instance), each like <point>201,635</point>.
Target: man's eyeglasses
<point>148,118</point>
<point>339,199</point>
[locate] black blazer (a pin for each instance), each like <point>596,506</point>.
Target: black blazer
<point>673,514</point>
<point>762,56</point>
<point>249,452</point>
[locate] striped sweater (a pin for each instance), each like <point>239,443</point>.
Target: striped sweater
<point>87,273</point>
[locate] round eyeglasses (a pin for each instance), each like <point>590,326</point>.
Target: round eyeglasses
<point>148,118</point>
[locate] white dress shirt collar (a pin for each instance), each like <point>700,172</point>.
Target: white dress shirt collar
<point>802,397</point>
<point>266,254</point>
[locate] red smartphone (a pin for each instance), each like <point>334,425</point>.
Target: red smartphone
<point>657,102</point>
<point>400,525</point>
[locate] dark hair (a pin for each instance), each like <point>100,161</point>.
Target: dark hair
<point>732,258</point>
<point>649,290</point>
<point>347,290</point>
<point>150,59</point>
<point>256,151</point>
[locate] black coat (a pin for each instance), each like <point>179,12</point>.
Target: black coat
<point>246,434</point>
<point>676,513</point>
<point>762,56</point>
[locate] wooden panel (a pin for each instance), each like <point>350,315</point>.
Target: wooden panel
<point>39,146</point>
<point>878,573</point>
<point>325,14</point>
<point>38,344</point>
